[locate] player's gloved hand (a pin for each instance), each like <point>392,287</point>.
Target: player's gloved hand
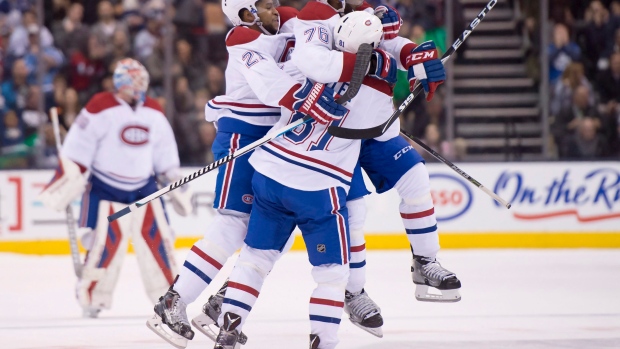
<point>390,19</point>
<point>383,66</point>
<point>425,65</point>
<point>67,184</point>
<point>317,101</point>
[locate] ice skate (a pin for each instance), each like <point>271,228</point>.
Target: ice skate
<point>91,312</point>
<point>427,272</point>
<point>170,310</point>
<point>363,312</point>
<point>314,341</point>
<point>228,338</point>
<point>206,323</point>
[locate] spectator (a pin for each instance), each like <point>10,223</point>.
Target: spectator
<point>121,47</point>
<point>107,24</point>
<point>586,143</point>
<point>18,42</point>
<point>215,80</point>
<point>15,90</point>
<point>609,82</point>
<point>53,60</point>
<point>561,52</point>
<point>13,129</point>
<point>70,34</point>
<point>150,37</point>
<point>131,16</point>
<point>188,66</point>
<point>594,36</point>
<point>568,119</point>
<point>87,67</point>
<point>573,77</point>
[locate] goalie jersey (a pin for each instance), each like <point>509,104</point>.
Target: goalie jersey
<point>122,147</point>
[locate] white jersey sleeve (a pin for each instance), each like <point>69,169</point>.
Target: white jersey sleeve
<point>314,53</point>
<point>83,138</point>
<point>400,48</point>
<point>165,151</point>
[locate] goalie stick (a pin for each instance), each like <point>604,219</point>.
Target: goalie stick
<point>359,71</point>
<point>73,245</point>
<point>374,132</point>
<point>456,169</point>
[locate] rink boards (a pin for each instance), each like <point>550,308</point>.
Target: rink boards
<point>554,205</point>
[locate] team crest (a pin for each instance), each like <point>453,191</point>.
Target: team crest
<point>321,248</point>
<point>368,22</point>
<point>135,135</point>
<point>248,199</point>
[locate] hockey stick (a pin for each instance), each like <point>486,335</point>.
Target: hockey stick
<point>359,71</point>
<point>456,169</point>
<point>73,245</point>
<point>374,132</point>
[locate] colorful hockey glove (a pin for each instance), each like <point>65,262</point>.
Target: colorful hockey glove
<point>390,19</point>
<point>317,101</point>
<point>424,64</point>
<point>385,67</point>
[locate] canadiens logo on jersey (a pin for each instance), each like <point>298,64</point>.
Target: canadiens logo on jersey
<point>248,199</point>
<point>135,135</point>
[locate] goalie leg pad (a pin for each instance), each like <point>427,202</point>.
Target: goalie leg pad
<point>153,243</point>
<point>418,212</point>
<point>205,259</point>
<point>357,265</point>
<point>104,259</point>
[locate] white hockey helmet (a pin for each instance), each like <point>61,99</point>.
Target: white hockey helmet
<point>232,10</point>
<point>356,28</point>
<point>131,79</point>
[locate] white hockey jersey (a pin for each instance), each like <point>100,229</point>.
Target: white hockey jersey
<point>121,146</point>
<point>256,87</point>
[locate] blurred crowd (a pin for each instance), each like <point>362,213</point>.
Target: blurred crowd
<point>65,55</point>
<point>584,76</point>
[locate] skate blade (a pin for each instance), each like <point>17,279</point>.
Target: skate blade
<point>158,327</point>
<point>445,296</point>
<point>377,331</point>
<point>206,326</point>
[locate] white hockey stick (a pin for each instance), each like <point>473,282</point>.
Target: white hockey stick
<point>73,245</point>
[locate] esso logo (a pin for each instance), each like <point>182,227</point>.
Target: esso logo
<point>135,135</point>
<point>451,196</point>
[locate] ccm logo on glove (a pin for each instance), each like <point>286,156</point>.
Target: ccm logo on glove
<point>421,56</point>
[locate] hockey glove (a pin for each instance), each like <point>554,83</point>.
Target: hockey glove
<point>383,66</point>
<point>390,19</point>
<point>424,64</point>
<point>317,101</point>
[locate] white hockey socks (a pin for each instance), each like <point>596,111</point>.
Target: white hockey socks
<point>418,212</point>
<point>327,302</point>
<point>246,280</point>
<point>357,264</point>
<point>205,259</point>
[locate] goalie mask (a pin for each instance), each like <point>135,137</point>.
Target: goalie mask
<point>233,9</point>
<point>131,79</point>
<point>356,28</point>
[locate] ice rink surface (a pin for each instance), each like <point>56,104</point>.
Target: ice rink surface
<point>511,299</point>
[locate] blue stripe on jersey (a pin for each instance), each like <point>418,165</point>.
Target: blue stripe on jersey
<point>117,180</point>
<point>348,183</point>
<point>197,271</point>
<point>357,265</point>
<point>242,113</point>
<point>330,320</point>
<point>238,304</point>
<point>422,230</point>
<point>230,125</point>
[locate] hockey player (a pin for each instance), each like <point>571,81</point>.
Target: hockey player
<point>301,179</point>
<point>389,160</point>
<point>256,88</point>
<point>124,140</point>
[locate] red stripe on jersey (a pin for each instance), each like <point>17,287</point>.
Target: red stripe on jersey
<point>316,11</point>
<point>348,63</point>
<point>241,105</point>
<point>286,13</point>
<point>340,222</point>
<point>379,85</point>
<point>243,287</point>
<point>206,257</point>
<point>329,302</point>
<point>307,158</point>
<point>234,144</point>
<point>241,35</point>
<point>418,214</point>
<point>100,102</point>
<point>358,248</point>
<point>153,104</point>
